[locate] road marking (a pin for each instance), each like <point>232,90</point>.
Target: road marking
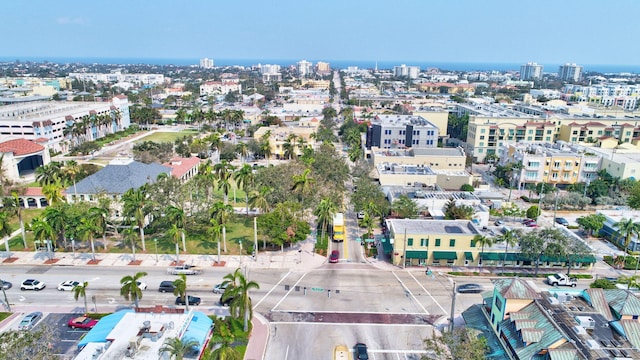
<point>22,298</point>
<point>271,290</point>
<point>111,300</point>
<point>95,279</point>
<point>288,292</point>
<point>428,293</point>
<point>286,354</point>
<point>406,289</point>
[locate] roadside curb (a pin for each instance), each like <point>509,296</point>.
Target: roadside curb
<point>5,323</point>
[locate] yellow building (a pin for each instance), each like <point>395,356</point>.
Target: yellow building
<point>438,117</point>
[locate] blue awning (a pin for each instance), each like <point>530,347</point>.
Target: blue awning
<point>198,328</point>
<point>103,328</point>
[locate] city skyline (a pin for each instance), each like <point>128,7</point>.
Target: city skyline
<point>409,31</point>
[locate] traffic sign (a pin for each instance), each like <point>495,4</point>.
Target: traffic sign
<point>369,240</point>
<point>317,289</point>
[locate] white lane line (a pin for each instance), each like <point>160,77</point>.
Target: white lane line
<point>271,290</point>
<point>288,292</point>
<point>428,293</point>
<point>286,354</point>
<point>406,289</point>
<point>346,312</point>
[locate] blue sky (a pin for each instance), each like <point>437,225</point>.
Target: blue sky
<point>500,31</point>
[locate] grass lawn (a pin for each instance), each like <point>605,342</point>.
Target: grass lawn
<point>4,315</point>
<point>166,136</point>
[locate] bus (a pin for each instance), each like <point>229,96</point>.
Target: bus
<point>338,227</point>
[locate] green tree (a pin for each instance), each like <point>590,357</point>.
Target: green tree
<point>603,284</point>
<point>58,217</point>
<point>135,206</point>
<point>467,187</point>
<point>244,179</point>
<point>626,228</point>
<point>177,349</point>
<point>179,220</point>
<point>259,199</point>
<point>42,231</point>
<point>592,223</point>
<point>510,238</point>
<point>12,204</point>
<point>129,288</point>
<point>221,212</point>
<point>175,234</point>
<point>634,196</point>
<point>239,288</point>
<point>549,242</point>
<point>86,230</point>
<point>49,174</point>
<point>533,212</point>
<point>325,211</point>
<point>80,290</point>
<point>222,340</point>
<point>180,288</point>
<point>404,207</point>
<point>99,216</point>
<point>630,281</point>
<point>5,229</point>
<point>302,184</point>
<point>461,344</point>
<point>53,192</point>
<point>482,241</point>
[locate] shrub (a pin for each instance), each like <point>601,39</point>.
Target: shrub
<point>533,212</point>
<point>525,198</point>
<point>467,187</point>
<point>603,284</point>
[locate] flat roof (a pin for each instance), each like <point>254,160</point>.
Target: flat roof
<point>435,227</point>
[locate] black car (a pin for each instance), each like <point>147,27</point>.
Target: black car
<point>562,221</point>
<point>470,289</point>
<point>225,302</point>
<point>166,286</point>
<point>193,300</point>
<point>6,285</point>
<point>361,351</point>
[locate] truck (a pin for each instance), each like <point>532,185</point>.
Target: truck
<point>561,279</point>
<point>341,352</point>
<point>338,227</point>
<point>184,269</point>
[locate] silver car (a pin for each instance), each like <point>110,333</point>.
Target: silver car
<point>29,321</point>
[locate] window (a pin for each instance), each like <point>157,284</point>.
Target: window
<point>481,137</point>
<point>410,242</point>
<point>452,242</point>
<point>482,131</point>
<point>437,242</point>
<point>473,243</point>
<point>424,242</point>
<point>498,303</point>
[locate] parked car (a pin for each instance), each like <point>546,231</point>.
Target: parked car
<point>361,351</point>
<point>29,321</point>
<point>68,285</point>
<point>498,223</point>
<point>32,284</point>
<point>470,289</point>
<point>561,279</point>
<point>82,322</point>
<point>526,221</point>
<point>334,257</point>
<point>193,300</point>
<point>220,288</point>
<point>6,285</point>
<point>562,221</point>
<point>531,224</point>
<point>166,286</point>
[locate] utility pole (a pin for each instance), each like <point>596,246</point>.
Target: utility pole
<point>404,250</point>
<point>555,206</point>
<point>453,307</point>
<point>255,238</point>
<point>6,301</point>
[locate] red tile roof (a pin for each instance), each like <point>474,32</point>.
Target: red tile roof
<point>180,166</point>
<point>33,191</point>
<point>20,147</point>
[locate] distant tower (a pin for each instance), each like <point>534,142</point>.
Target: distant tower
<point>376,69</point>
<point>531,71</point>
<point>206,63</point>
<point>304,68</point>
<point>570,72</point>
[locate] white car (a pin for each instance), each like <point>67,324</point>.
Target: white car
<point>142,285</point>
<point>32,284</point>
<point>68,285</point>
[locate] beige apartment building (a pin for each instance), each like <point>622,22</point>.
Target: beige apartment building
<point>299,137</point>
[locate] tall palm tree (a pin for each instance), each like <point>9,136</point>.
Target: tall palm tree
<point>243,149</point>
<point>135,206</point>
<point>48,174</point>
<point>216,233</point>
<point>177,349</point>
<point>175,233</point>
<point>180,288</point>
<point>325,211</point>
<point>53,192</point>
<point>244,179</point>
<point>258,199</point>
<point>129,234</point>
<point>510,238</point>
<point>71,170</point>
<point>302,183</point>
<point>626,228</point>
<point>13,204</point>
<point>42,230</point>
<point>222,340</point>
<point>221,213</point>
<point>99,216</point>
<point>129,288</point>
<point>5,229</point>
<point>177,217</point>
<point>87,229</point>
<point>482,240</point>
<point>224,173</point>
<point>57,217</point>
<point>239,288</point>
<point>81,290</point>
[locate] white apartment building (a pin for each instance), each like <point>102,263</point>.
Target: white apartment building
<point>531,71</point>
<point>206,63</point>
<point>116,77</point>
<point>405,71</point>
<point>270,72</point>
<point>46,121</point>
<point>304,68</point>
<point>570,72</point>
<point>219,88</point>
<point>399,131</point>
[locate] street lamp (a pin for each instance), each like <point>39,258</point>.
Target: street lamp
<point>73,247</point>
<point>6,301</point>
<point>155,242</point>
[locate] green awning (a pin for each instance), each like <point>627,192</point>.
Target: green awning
<point>387,246</point>
<point>445,255</point>
<point>416,254</point>
<point>585,259</point>
<point>556,259</point>
<point>468,256</point>
<point>492,256</point>
<point>512,257</point>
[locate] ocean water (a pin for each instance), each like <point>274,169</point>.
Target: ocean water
<point>336,64</point>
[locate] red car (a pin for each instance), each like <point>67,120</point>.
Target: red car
<point>334,257</point>
<point>531,224</point>
<point>82,322</point>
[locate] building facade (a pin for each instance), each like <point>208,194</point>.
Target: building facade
<point>304,68</point>
<point>399,131</point>
<point>206,63</point>
<point>570,72</point>
<point>531,71</point>
<point>404,71</point>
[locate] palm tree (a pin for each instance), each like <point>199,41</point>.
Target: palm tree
<point>175,233</point>
<point>42,230</point>
<point>510,238</point>
<point>259,200</point>
<point>57,217</point>
<point>244,179</point>
<point>302,183</point>
<point>99,216</point>
<point>13,204</point>
<point>216,233</point>
<point>48,174</point>
<point>129,288</point>
<point>53,192</point>
<point>87,229</point>
<point>130,235</point>
<point>626,228</point>
<point>325,211</point>
<point>221,213</point>
<point>71,169</point>
<point>177,349</point>
<point>243,149</point>
<point>5,229</point>
<point>135,203</point>
<point>482,240</point>
<point>224,172</point>
<point>239,288</point>
<point>81,290</point>
<point>177,217</point>
<point>222,340</point>
<point>180,288</point>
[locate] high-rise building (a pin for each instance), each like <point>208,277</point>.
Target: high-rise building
<point>206,63</point>
<point>323,68</point>
<point>570,72</point>
<point>531,71</point>
<point>304,68</point>
<point>405,71</point>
